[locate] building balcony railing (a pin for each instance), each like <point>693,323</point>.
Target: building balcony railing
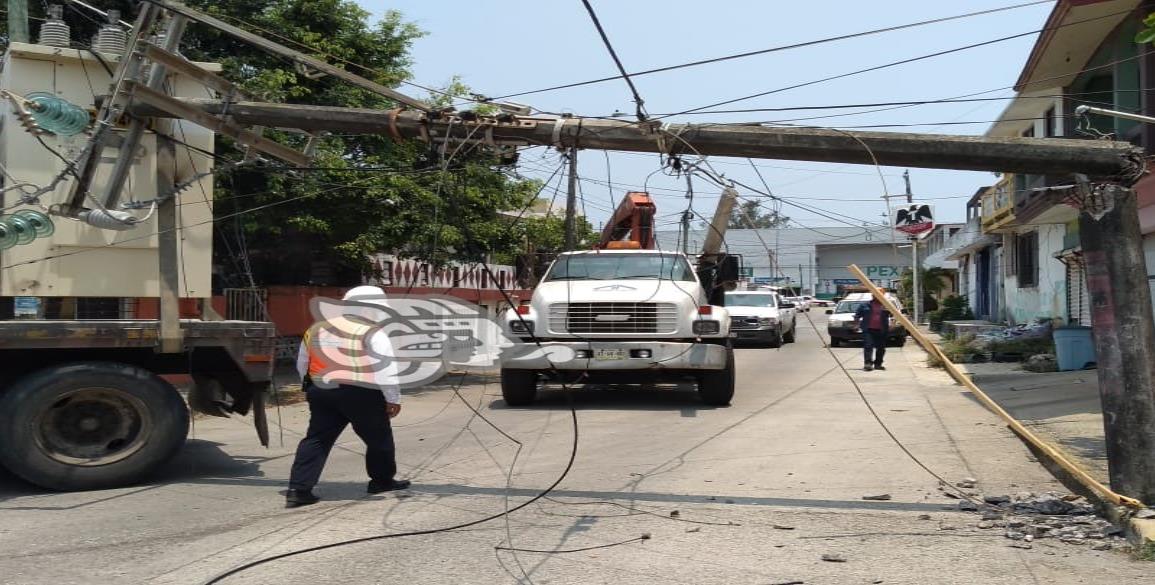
<point>968,240</point>
<point>998,205</point>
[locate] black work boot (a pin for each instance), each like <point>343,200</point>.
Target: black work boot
<point>878,366</point>
<point>376,487</point>
<point>868,367</point>
<point>297,498</point>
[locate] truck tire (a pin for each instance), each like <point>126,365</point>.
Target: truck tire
<point>716,387</point>
<point>90,425</point>
<point>518,387</point>
<point>835,342</point>
<point>789,337</point>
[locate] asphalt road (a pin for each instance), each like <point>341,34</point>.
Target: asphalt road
<point>754,493</point>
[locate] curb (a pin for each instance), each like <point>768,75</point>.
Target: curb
<point>1141,534</point>
<point>1140,531</point>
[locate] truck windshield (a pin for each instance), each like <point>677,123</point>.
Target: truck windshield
<point>620,267</point>
<point>740,300</point>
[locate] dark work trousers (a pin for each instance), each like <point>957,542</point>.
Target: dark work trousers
<point>873,340</point>
<point>330,410</point>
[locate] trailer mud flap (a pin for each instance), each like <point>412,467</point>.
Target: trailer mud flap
<point>260,418</point>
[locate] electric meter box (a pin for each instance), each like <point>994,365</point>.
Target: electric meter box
<point>80,260</point>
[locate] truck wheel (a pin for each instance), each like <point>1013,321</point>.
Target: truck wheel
<point>789,337</point>
<point>716,387</point>
<point>518,387</point>
<point>90,425</point>
<point>835,342</point>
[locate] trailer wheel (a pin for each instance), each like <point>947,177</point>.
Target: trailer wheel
<point>518,387</point>
<point>716,387</point>
<point>90,425</point>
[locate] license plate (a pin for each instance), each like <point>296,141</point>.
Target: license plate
<point>609,354</point>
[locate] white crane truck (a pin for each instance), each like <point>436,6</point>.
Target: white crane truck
<point>627,313</point>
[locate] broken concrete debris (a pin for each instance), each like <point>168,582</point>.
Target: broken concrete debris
<point>1067,518</point>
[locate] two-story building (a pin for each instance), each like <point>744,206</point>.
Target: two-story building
<point>1086,55</point>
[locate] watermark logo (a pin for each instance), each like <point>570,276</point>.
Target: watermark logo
<point>407,341</point>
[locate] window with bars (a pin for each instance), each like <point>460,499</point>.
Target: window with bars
<point>1027,259</point>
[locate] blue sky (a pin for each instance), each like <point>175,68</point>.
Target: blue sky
<point>506,46</point>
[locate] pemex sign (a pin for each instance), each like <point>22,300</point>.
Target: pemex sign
<point>914,219</point>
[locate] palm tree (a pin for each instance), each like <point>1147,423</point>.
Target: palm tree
<point>933,281</point>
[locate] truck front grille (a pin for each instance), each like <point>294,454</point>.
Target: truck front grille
<point>743,322</point>
<point>613,318</point>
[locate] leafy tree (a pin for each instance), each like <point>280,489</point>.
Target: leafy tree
<point>542,237</point>
<point>1147,33</point>
<point>750,215</point>
<point>373,194</point>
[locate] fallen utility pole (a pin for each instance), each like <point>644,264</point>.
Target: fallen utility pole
<point>1042,156</point>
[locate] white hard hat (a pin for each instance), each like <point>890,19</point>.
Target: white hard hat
<point>363,292</point>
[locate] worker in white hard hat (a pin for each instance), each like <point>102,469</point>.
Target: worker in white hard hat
<point>368,406</point>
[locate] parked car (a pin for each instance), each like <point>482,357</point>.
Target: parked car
<point>761,317</point>
<point>841,328</point>
<point>824,303</point>
<point>800,303</point>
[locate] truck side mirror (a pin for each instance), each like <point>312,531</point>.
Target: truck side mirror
<point>829,311</point>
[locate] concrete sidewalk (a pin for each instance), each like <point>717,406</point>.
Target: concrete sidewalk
<point>1062,407</point>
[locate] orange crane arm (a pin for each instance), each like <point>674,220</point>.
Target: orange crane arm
<point>633,219</point>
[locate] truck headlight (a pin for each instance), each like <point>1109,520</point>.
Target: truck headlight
<point>521,326</point>
<point>767,321</point>
<point>707,327</point>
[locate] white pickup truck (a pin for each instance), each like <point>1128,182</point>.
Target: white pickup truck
<point>620,317</point>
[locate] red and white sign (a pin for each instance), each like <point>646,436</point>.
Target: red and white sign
<point>914,219</point>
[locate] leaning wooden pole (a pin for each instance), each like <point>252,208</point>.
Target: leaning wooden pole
<point>1051,451</point>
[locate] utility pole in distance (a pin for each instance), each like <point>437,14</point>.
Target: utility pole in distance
<point>571,203</point>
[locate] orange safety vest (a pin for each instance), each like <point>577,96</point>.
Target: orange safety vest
<point>337,354</point>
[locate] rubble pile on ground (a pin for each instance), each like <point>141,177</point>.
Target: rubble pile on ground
<point>1025,517</point>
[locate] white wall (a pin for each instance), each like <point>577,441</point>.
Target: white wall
<point>1048,299</point>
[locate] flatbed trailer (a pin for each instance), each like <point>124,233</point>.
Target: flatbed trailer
<point>92,404</point>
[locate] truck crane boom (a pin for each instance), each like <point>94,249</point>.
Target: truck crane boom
<point>633,221</point>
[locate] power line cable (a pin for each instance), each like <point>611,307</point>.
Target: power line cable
<point>640,110</point>
<point>895,64</point>
<point>1108,65</point>
<point>909,103</point>
<point>773,49</point>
